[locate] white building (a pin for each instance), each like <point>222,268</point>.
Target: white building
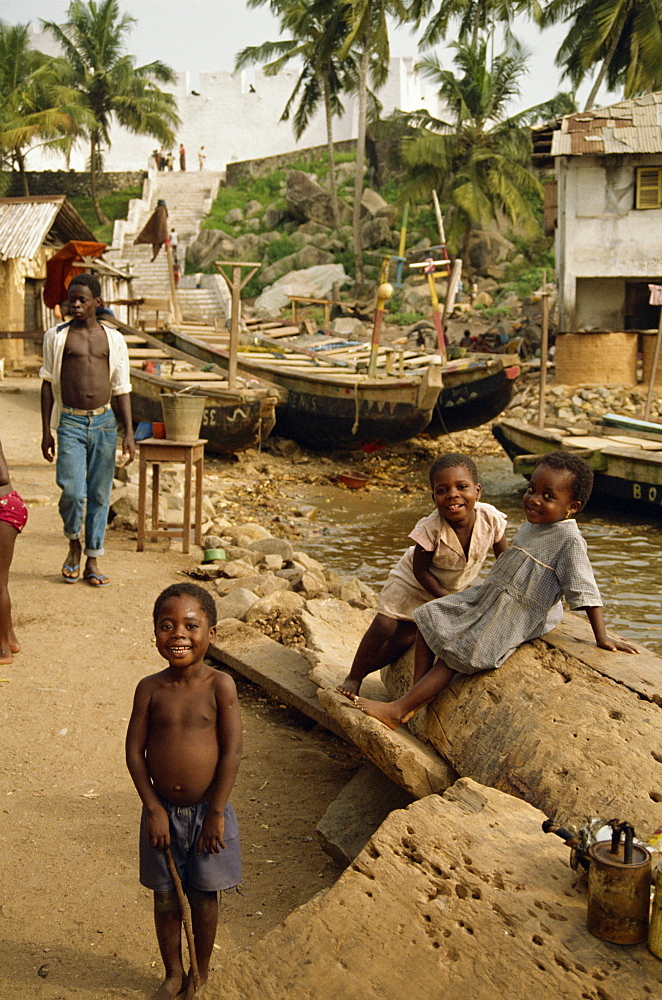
<point>609,228</point>
<point>236,116</point>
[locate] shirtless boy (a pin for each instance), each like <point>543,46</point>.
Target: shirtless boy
<point>85,363</point>
<point>183,748</point>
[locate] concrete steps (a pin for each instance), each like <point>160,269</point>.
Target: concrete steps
<point>188,197</point>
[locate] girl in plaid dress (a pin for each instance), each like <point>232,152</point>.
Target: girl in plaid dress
<point>520,600</point>
<point>451,545</point>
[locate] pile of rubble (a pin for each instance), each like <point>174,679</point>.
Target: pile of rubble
<point>572,404</point>
<point>262,574</point>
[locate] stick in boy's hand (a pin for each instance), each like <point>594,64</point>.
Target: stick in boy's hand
<point>179,889</point>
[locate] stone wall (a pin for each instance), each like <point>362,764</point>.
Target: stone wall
<point>236,172</point>
<point>69,182</point>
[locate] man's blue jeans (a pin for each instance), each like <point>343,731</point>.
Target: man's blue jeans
<point>84,472</point>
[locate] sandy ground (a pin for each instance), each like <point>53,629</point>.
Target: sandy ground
<point>74,921</point>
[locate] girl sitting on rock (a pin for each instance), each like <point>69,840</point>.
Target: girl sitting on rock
<point>520,599</point>
<point>451,546</point>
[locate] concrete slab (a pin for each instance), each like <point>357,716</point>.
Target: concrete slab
<point>458,896</point>
<point>402,757</point>
<point>278,669</point>
<point>359,810</point>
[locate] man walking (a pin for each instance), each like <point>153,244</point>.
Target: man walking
<point>85,364</point>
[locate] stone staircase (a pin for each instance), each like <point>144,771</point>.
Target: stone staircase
<point>188,197</point>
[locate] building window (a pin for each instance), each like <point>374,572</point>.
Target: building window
<point>649,187</point>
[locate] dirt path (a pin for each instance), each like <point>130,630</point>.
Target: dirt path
<point>74,922</point>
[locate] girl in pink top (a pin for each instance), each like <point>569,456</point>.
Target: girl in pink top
<point>450,547</point>
<point>13,515</point>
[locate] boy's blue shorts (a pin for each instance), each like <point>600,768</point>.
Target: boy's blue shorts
<point>205,872</point>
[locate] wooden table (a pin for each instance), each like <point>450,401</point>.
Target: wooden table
<point>190,454</point>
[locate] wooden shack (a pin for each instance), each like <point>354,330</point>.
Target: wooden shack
<point>31,229</point>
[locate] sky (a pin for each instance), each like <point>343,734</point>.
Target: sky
<point>204,35</point>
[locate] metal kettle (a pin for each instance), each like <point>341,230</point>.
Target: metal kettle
<point>619,881</point>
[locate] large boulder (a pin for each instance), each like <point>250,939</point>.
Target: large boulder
<point>372,202</point>
<point>458,896</point>
<point>208,246</point>
<point>306,200</point>
<point>312,282</point>
<point>313,256</point>
<point>488,248</point>
<point>375,232</point>
<point>571,728</point>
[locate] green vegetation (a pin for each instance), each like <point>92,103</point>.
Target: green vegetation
<point>114,206</point>
<point>104,82</point>
<point>265,189</point>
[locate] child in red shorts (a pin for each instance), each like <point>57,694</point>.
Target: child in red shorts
<point>13,515</point>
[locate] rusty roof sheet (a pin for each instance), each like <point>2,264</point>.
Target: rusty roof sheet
<point>633,126</point>
<point>28,223</point>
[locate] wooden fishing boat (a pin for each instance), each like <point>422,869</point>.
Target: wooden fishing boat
<point>329,403</point>
<point>333,402</point>
<point>474,394</point>
<point>233,419</point>
<point>626,459</point>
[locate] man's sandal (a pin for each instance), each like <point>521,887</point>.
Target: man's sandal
<point>72,575</point>
<point>96,579</point>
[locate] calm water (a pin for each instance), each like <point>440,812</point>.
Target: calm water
<point>364,534</point>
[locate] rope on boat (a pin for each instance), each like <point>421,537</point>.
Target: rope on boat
<point>355,426</point>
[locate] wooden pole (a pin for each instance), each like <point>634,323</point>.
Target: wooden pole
<point>440,221</point>
<point>384,292</point>
<point>235,284</point>
<point>653,371</point>
<point>172,868</point>
<point>544,341</point>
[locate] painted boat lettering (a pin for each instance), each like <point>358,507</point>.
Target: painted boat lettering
<point>214,416</point>
<point>642,491</point>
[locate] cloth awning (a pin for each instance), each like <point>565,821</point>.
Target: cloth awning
<point>71,259</point>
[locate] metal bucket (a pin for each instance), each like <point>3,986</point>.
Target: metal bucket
<point>618,893</point>
<point>182,416</point>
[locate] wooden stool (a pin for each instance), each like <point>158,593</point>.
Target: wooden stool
<point>157,450</point>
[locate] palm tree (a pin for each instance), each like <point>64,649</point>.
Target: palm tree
<point>34,106</point>
<point>317,30</point>
<point>624,36</point>
<point>109,84</point>
<point>473,16</point>
<point>367,35</point>
<point>480,160</point>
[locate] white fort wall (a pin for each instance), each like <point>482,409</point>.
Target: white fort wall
<point>235,116</point>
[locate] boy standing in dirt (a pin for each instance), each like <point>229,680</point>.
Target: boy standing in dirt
<point>183,748</point>
<point>85,363</point>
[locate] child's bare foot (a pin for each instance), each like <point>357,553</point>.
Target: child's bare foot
<point>383,711</point>
<point>349,687</point>
<point>191,990</point>
<point>171,987</point>
<point>14,644</point>
<point>7,658</point>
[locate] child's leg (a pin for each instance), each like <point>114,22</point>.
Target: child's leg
<point>168,923</point>
<point>8,642</point>
<point>423,658</point>
<point>204,918</point>
<point>392,713</point>
<point>385,641</point>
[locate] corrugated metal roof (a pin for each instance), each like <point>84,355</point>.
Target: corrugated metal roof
<point>27,223</point>
<point>633,126</point>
